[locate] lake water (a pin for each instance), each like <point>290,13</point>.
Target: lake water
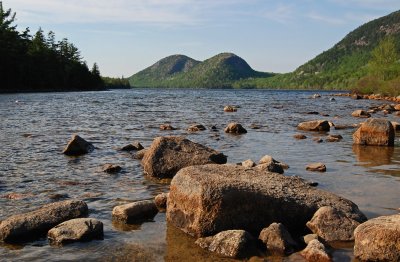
<point>34,130</point>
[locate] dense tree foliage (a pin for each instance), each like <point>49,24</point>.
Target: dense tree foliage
<point>116,83</point>
<point>31,63</point>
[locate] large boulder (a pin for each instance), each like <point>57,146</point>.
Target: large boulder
<point>78,229</point>
<point>167,155</point>
<point>135,212</point>
<point>78,146</point>
<point>230,243</point>
<point>208,199</point>
<point>378,239</point>
<point>375,132</point>
<point>316,125</point>
<point>31,225</point>
<point>277,240</point>
<point>332,225</point>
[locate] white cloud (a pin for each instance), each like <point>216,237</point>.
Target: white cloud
<point>281,13</point>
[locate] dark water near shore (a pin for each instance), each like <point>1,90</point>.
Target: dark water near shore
<point>34,131</point>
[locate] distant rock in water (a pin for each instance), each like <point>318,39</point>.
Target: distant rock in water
<point>361,113</point>
<point>235,128</point>
<point>196,127</point>
<point>167,155</point>
<point>135,145</point>
<point>78,146</point>
<point>316,125</point>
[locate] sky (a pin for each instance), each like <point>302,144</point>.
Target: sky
<point>126,36</point>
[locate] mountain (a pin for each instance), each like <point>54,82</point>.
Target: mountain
<point>343,64</point>
<point>219,71</point>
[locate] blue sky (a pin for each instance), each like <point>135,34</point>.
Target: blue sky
<point>126,36</point>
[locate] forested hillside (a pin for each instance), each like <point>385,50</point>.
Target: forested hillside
<point>31,63</point>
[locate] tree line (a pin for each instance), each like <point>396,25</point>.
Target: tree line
<point>32,63</point>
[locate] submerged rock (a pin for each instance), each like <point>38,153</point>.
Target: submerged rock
<point>78,146</point>
<point>167,127</point>
<point>78,229</point>
<point>319,167</point>
<point>375,132</point>
<point>31,225</point>
<point>111,169</point>
<point>167,155</point>
<point>235,128</point>
<point>230,109</point>
<point>360,113</point>
<point>231,243</point>
<point>196,127</point>
<point>135,145</point>
<point>378,239</point>
<point>203,200</point>
<point>315,252</point>
<point>334,138</point>
<point>316,125</point>
<point>332,225</point>
<point>136,211</point>
<point>277,240</point>
<point>300,136</point>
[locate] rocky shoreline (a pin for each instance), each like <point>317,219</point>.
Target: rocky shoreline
<point>240,210</point>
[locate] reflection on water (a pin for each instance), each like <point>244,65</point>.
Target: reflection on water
<point>33,171</point>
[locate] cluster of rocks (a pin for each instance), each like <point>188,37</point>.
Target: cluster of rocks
<point>372,97</point>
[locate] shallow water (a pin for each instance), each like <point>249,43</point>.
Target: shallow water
<point>34,130</point>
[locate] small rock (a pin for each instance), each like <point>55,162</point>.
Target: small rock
<point>378,239</point>
<point>277,240</point>
<point>248,163</point>
<point>334,138</point>
<point>78,146</point>
<point>315,252</point>
<point>299,136</point>
<point>319,167</point>
<point>307,238</point>
<point>356,97</point>
<point>167,127</point>
<point>361,113</point>
<point>332,225</point>
<point>230,109</point>
<point>136,211</point>
<point>272,165</point>
<point>316,125</point>
<point>255,126</point>
<point>317,140</point>
<point>111,169</point>
<point>230,243</point>
<point>313,183</point>
<point>312,113</point>
<point>195,128</point>
<point>58,196</point>
<point>316,96</point>
<point>235,128</point>
<point>79,229</point>
<point>397,107</point>
<point>332,99</point>
<point>161,201</point>
<point>135,145</point>
<point>140,154</point>
<point>17,196</point>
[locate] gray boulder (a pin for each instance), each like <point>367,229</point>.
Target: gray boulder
<point>316,125</point>
<point>167,155</point>
<point>78,229</point>
<point>231,243</point>
<point>31,225</point>
<point>332,225</point>
<point>78,146</point>
<point>378,239</point>
<point>135,212</point>
<point>375,132</point>
<point>277,240</point>
<point>315,252</point>
<point>208,199</point>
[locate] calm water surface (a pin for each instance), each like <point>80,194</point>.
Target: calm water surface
<point>33,170</point>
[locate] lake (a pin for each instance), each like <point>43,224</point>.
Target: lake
<point>34,128</point>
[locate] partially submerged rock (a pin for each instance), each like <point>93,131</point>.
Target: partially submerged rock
<point>230,243</point>
<point>111,168</point>
<point>334,138</point>
<point>318,167</point>
<point>316,125</point>
<point>378,239</point>
<point>134,146</point>
<point>161,201</point>
<point>78,146</point>
<point>375,132</point>
<point>300,136</point>
<point>140,154</point>
<point>208,199</point>
<point>361,113</point>
<point>196,127</point>
<point>167,155</point>
<point>167,127</point>
<point>332,225</point>
<point>135,212</point>
<point>78,229</point>
<point>269,164</point>
<point>235,128</point>
<point>277,240</point>
<point>230,109</point>
<point>315,252</point>
<point>31,225</point>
